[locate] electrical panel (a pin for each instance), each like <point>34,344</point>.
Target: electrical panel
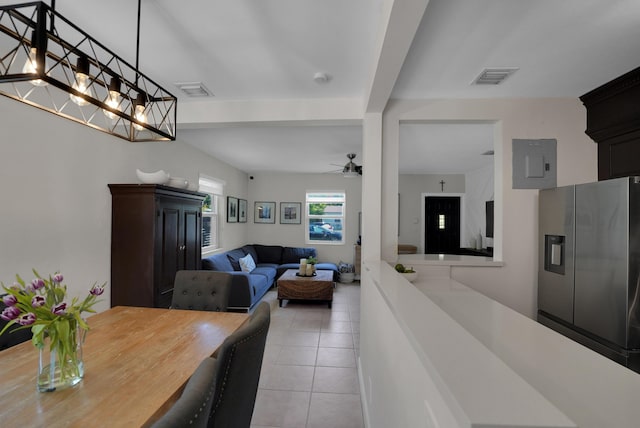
<point>534,164</point>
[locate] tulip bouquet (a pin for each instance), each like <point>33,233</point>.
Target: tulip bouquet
<point>43,306</point>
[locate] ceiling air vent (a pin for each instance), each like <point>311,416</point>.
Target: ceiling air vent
<point>494,76</point>
<point>194,89</point>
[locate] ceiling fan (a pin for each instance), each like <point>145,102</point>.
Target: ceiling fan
<point>351,170</point>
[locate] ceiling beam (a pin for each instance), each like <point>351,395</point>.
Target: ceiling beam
<point>398,27</point>
<point>201,114</point>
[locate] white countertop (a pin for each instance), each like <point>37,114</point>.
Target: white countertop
<point>477,385</point>
<point>509,348</point>
<point>447,260</point>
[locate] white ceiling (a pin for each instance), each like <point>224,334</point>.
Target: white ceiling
<point>251,50</point>
<point>562,48</point>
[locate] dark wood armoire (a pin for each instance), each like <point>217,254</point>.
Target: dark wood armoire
<point>155,231</point>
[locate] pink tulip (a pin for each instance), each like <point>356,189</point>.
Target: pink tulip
<point>37,301</point>
<point>59,309</point>
<point>10,313</point>
<point>27,319</point>
<point>9,300</point>
<point>96,290</point>
<point>37,283</point>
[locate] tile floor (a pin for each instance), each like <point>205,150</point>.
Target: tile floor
<point>309,377</point>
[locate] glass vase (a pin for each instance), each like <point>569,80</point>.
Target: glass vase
<point>61,366</point>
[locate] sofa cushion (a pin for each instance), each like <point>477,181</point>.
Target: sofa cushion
<point>219,262</point>
<point>247,264</point>
<point>294,254</point>
<point>234,258</point>
<point>286,266</point>
<point>267,271</point>
<point>268,253</point>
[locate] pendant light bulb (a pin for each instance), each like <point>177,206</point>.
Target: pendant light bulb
<point>114,98</point>
<point>82,82</point>
<point>31,66</point>
<point>139,113</point>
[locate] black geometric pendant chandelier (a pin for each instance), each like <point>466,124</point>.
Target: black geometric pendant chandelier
<point>50,63</point>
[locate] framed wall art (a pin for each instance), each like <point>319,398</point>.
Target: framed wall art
<point>290,212</point>
<point>232,209</point>
<point>242,210</point>
<point>265,212</point>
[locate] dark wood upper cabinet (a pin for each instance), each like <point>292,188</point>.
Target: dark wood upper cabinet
<point>613,121</point>
<point>155,232</point>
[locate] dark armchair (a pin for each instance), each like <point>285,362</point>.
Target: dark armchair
<point>201,290</point>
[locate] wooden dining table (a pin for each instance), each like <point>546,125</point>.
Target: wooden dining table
<point>136,363</point>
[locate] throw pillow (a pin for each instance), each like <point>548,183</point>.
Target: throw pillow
<point>247,264</point>
<point>234,258</point>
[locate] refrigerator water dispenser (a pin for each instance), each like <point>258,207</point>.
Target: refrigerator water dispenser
<point>554,253</point>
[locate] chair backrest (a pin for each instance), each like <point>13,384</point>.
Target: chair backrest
<point>238,372</point>
<point>201,290</point>
<point>194,405</point>
<point>12,336</point>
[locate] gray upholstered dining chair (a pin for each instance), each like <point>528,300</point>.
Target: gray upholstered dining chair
<point>194,405</point>
<point>239,363</point>
<point>14,335</point>
<point>201,290</point>
<point>222,391</point>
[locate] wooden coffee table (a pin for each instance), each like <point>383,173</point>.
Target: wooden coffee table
<point>318,287</point>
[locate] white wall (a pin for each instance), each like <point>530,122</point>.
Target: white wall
<point>516,219</point>
<point>55,204</point>
<point>277,187</point>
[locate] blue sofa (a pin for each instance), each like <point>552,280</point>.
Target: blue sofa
<point>247,288</point>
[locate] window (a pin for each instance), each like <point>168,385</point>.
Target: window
<point>324,217</point>
<point>211,209</point>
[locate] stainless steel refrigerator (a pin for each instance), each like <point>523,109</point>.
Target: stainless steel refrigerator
<point>589,266</point>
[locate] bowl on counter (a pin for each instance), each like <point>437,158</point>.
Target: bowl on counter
<point>410,276</point>
<point>158,177</point>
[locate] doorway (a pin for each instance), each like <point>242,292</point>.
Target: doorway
<point>442,224</point>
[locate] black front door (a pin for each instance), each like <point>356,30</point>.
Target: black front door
<point>442,225</point>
